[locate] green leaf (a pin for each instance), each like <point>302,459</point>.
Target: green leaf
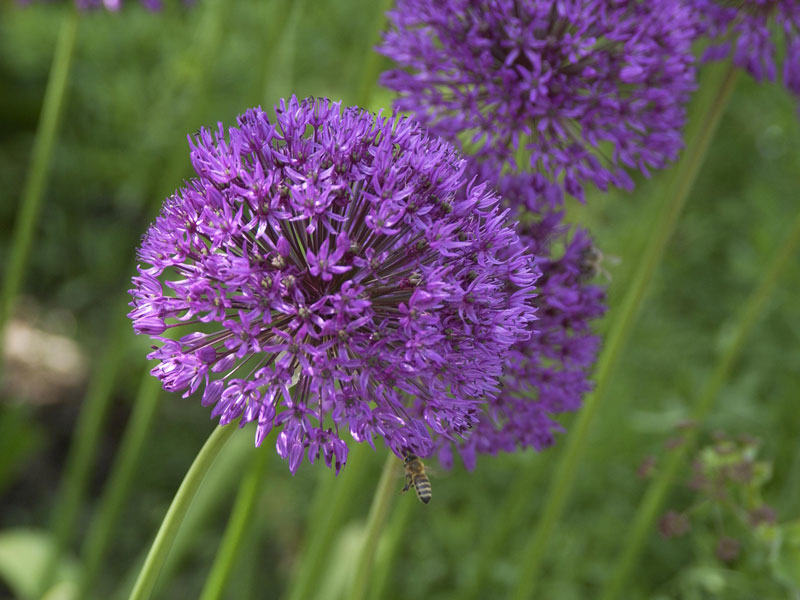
<point>786,556</point>
<point>23,553</point>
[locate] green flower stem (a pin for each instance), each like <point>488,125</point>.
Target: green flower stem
<point>653,499</point>
<point>390,543</point>
<point>83,450</point>
<point>33,190</point>
<point>683,178</point>
<point>116,489</point>
<point>334,495</point>
<point>238,526</point>
<point>280,49</point>
<point>331,502</point>
<point>177,511</point>
<point>381,503</point>
<point>191,81</point>
<point>516,505</point>
<point>372,60</point>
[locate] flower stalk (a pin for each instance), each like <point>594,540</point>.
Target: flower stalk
<point>36,178</point>
<point>681,184</point>
<point>177,511</point>
<point>116,489</point>
<point>381,503</point>
<point>238,524</point>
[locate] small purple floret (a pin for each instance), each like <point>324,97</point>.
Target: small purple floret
<point>333,270</point>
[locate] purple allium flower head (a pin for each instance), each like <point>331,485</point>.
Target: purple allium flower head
<point>589,88</point>
<point>746,30</point>
<point>547,373</point>
<point>336,271</point>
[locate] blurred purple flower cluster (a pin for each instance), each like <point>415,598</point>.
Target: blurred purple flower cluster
<point>746,31</point>
<point>546,373</point>
<point>335,270</point>
<point>565,92</point>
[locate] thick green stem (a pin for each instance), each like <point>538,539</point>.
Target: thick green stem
<point>280,50</point>
<point>33,190</point>
<point>190,81</point>
<point>654,497</point>
<point>334,495</point>
<point>389,544</point>
<point>381,503</point>
<point>516,505</point>
<point>238,526</point>
<point>83,450</point>
<point>332,500</point>
<point>683,178</point>
<point>177,511</point>
<point>372,60</point>
<point>116,489</point>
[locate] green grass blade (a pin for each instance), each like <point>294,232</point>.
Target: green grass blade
<point>83,448</point>
<point>116,489</point>
<point>333,498</point>
<point>33,190</point>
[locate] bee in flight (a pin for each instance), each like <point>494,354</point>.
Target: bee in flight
<point>593,263</point>
<point>415,476</point>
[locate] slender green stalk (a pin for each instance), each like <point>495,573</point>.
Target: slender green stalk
<point>36,178</point>
<point>116,489</point>
<point>333,498</point>
<point>238,525</point>
<point>83,451</point>
<point>516,505</point>
<point>372,60</point>
<point>177,511</point>
<point>381,503</point>
<point>653,499</point>
<point>390,543</point>
<point>280,50</point>
<point>191,81</point>
<point>683,178</point>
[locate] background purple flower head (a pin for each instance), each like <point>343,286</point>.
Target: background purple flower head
<point>588,87</point>
<point>548,372</point>
<point>747,31</point>
<point>336,271</point>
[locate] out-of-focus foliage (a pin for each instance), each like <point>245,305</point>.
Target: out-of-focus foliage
<point>141,82</point>
<point>731,533</point>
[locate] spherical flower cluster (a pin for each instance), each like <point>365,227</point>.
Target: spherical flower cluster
<point>746,30</point>
<point>336,271</point>
<point>572,91</point>
<point>547,373</point>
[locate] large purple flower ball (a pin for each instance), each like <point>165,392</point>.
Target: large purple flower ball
<point>334,271</point>
<point>747,31</point>
<point>573,91</point>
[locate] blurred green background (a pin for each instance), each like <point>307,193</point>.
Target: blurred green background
<point>140,82</point>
